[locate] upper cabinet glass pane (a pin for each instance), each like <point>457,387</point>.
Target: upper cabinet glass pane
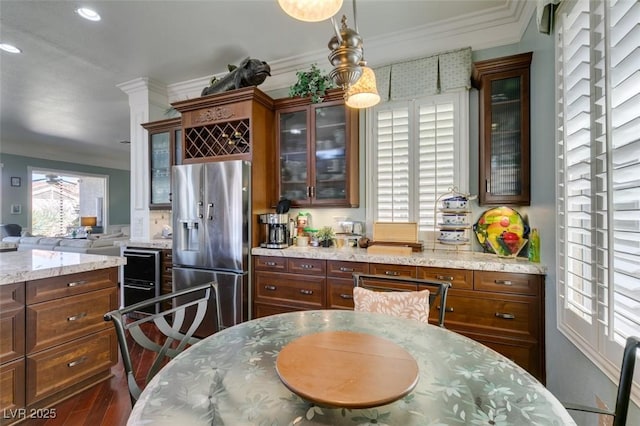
<point>293,155</point>
<point>330,155</point>
<point>160,168</point>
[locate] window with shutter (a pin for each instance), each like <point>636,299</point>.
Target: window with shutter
<point>419,151</point>
<point>598,175</point>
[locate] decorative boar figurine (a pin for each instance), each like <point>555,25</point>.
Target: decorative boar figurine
<point>250,72</point>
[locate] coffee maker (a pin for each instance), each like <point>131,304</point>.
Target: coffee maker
<point>276,233</point>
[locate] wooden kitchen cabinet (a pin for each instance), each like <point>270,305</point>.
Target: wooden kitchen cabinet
<point>164,151</point>
<point>12,347</point>
<point>503,85</point>
<point>340,282</point>
<point>503,310</point>
<point>166,276</point>
<point>317,151</point>
<point>69,346</point>
<point>283,285</point>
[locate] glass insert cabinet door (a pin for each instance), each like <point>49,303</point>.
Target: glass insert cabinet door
<point>159,150</point>
<point>330,154</point>
<point>317,150</point>
<point>503,85</point>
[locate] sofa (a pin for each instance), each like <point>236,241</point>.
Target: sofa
<point>105,244</point>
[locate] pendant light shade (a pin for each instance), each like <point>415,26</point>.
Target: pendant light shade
<point>311,10</point>
<point>364,93</point>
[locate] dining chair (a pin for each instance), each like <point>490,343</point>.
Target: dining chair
<point>167,333</point>
<point>624,387</point>
<point>400,296</point>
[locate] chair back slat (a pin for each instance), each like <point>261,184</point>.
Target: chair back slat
<point>170,325</point>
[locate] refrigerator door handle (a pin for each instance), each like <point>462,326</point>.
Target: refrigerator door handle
<point>200,210</point>
<point>209,208</point>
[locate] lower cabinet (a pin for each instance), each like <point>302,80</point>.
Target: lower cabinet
<point>12,364</point>
<point>166,279</point>
<point>504,311</point>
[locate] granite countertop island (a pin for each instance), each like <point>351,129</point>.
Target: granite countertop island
<point>157,243</point>
<point>26,265</point>
<point>434,258</point>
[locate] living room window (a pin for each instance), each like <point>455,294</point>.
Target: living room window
<point>419,151</point>
<point>598,169</point>
<point>60,198</point>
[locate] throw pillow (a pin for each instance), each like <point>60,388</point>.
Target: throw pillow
<point>405,304</point>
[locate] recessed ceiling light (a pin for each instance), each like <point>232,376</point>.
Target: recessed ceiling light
<point>87,13</point>
<point>9,48</point>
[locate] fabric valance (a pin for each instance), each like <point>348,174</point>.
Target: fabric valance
<point>426,76</point>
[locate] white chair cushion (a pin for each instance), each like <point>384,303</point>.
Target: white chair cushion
<point>405,304</point>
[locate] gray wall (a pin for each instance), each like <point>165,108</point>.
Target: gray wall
<point>570,375</point>
<point>15,165</point>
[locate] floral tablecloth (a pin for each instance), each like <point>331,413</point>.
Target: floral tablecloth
<point>230,379</point>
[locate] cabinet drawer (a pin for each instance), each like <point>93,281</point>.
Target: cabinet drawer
<point>393,270</point>
<point>62,366</point>
<point>267,263</point>
<point>68,285</point>
<point>339,293</point>
<point>307,266</point>
<point>299,290</point>
<point>524,353</point>
<point>11,322</point>
<point>339,269</point>
<point>505,282</point>
<point>497,314</point>
<point>263,310</point>
<point>12,385</point>
<point>55,322</point>
<point>459,278</point>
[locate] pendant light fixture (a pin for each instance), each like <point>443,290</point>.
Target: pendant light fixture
<point>349,68</point>
<point>351,71</point>
<point>310,10</point>
<point>363,94</point>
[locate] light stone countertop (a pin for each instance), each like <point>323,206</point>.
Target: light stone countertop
<point>17,266</point>
<point>440,259</point>
<point>159,243</point>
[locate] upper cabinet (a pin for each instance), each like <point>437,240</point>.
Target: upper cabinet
<point>503,85</point>
<point>317,150</point>
<point>164,152</point>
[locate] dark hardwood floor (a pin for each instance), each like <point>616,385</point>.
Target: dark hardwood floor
<point>105,404</point>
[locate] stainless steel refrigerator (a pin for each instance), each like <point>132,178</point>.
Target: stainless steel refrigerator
<point>211,205</point>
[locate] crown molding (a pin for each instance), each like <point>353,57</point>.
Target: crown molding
<point>494,27</point>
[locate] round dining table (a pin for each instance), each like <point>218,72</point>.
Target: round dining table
<point>230,378</point>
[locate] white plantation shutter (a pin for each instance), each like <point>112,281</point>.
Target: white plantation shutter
<point>598,68</point>
<point>435,159</point>
<point>417,152</point>
<point>393,165</point>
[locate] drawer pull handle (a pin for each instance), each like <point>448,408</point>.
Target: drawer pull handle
<point>392,273</point>
<point>77,362</point>
<point>270,263</point>
<point>447,309</point>
<point>444,278</point>
<point>77,317</point>
<point>306,292</point>
<point>76,283</point>
<point>343,269</point>
<point>505,316</point>
<point>270,287</point>
<point>346,296</point>
<point>306,266</point>
<point>503,282</point>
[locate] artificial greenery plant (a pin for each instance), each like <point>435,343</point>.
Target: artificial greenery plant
<point>325,236</point>
<point>312,83</point>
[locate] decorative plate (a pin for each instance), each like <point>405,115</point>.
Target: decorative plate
<point>502,231</point>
